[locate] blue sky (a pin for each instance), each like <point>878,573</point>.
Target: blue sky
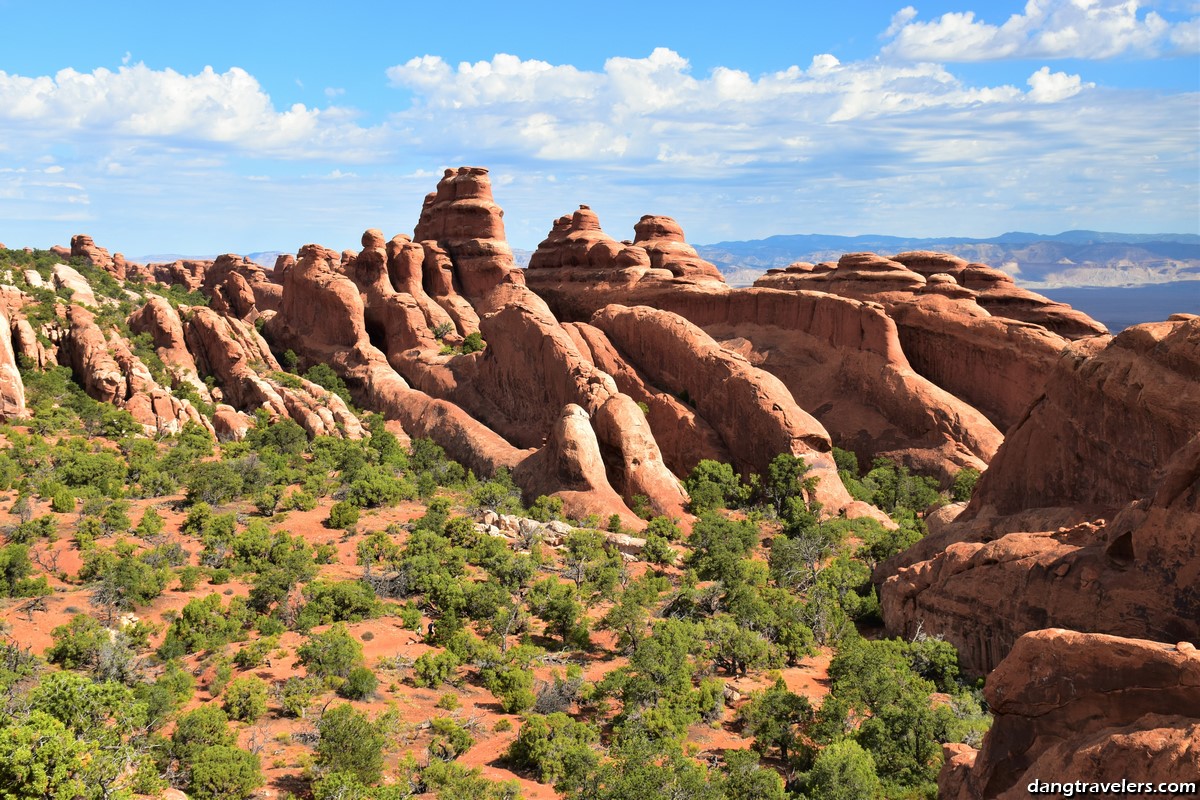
<point>222,127</point>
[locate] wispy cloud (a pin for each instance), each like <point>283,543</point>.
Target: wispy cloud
<point>1088,29</point>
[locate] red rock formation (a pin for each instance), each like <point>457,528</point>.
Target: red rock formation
<point>1083,707</point>
<point>66,277</point>
<point>322,319</point>
<point>241,362</point>
<point>239,287</point>
<point>462,218</point>
<point>388,300</point>
<point>162,322</point>
<point>662,239</point>
<point>750,409</point>
<point>86,352</point>
<point>570,467</point>
<point>25,343</point>
<point>12,389</point>
<point>1110,414</point>
<point>111,373</point>
<point>984,580</point>
<point>830,352</point>
<point>165,327</point>
<point>683,436</point>
<point>83,247</point>
<point>187,273</point>
<point>967,328</point>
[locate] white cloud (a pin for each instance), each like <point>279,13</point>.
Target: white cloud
<point>900,19</point>
<point>654,109</point>
<point>874,145</point>
<point>1093,29</point>
<point>1053,87</point>
<point>228,108</point>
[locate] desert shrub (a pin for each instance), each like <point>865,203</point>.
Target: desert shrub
<point>350,743</point>
<point>324,376</point>
<point>431,670</point>
<point>342,514</point>
<point>15,568</point>
<point>450,739</point>
<point>337,601</point>
<point>246,698</point>
<point>332,654</point>
<point>712,485</point>
<point>360,684</point>
<point>77,644</point>
<point>203,624</point>
<point>223,772</point>
<point>555,746</point>
<point>964,484</point>
<point>197,730</point>
<point>473,342</point>
<point>546,508</point>
<point>297,694</point>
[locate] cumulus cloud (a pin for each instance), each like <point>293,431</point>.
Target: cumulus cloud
<point>138,102</point>
<point>654,109</point>
<point>1052,87</point>
<point>1092,29</point>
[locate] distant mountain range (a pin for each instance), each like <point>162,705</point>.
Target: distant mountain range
<point>264,258</point>
<point>1036,261</point>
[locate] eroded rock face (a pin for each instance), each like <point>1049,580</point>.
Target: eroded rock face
<point>66,277</point>
<point>240,360</point>
<point>1110,414</point>
<point>382,316</point>
<point>1083,707</point>
<point>750,409</point>
<point>662,239</point>
<point>25,343</point>
<point>965,327</point>
<point>570,467</point>
<point>12,388</point>
<point>83,247</point>
<point>1107,550</point>
<point>109,372</point>
<point>829,351</point>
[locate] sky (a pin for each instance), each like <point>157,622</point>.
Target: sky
<point>237,127</point>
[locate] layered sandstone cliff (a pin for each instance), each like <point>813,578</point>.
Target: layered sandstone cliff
<point>1089,517</point>
<point>841,359</point>
<point>1083,707</point>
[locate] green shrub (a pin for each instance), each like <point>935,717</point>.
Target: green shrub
<point>360,684</point>
<point>450,740</point>
<point>350,743</point>
<point>246,698</point>
<point>473,342</point>
<point>964,484</point>
<point>223,772</point>
<point>713,485</point>
<point>332,654</point>
<point>342,515</point>
<point>431,670</point>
